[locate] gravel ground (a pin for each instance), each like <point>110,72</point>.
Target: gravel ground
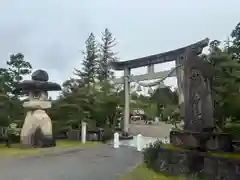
<point>155,130</point>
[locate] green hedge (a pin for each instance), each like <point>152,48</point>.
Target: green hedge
<point>233,129</point>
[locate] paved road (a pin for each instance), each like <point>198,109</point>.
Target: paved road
<point>160,130</point>
<point>102,162</point>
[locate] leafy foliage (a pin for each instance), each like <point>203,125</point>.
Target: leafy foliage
<point>17,69</point>
<point>226,65</point>
<point>11,105</point>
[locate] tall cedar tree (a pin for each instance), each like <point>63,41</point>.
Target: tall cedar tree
<point>88,73</point>
<point>106,56</point>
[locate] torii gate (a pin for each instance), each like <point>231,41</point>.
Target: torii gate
<point>178,55</point>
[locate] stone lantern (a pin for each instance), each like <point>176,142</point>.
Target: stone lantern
<point>37,127</point>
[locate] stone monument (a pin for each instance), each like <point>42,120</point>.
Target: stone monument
<point>37,127</point>
<point>198,104</point>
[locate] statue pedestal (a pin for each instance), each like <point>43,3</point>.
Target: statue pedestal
<point>37,130</point>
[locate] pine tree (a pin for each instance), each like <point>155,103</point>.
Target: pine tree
<point>88,73</point>
<point>106,56</point>
<point>18,67</point>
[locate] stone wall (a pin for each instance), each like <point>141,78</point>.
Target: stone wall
<point>218,142</point>
<point>204,166</point>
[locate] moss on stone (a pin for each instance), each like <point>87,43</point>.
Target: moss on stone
<point>228,155</point>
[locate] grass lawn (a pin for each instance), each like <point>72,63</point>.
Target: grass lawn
<point>15,149</point>
<point>143,173</point>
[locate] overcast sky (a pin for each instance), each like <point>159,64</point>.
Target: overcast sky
<point>51,33</point>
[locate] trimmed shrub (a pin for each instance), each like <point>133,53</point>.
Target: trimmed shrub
<point>13,133</point>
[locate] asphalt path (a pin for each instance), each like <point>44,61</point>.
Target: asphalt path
<point>102,162</point>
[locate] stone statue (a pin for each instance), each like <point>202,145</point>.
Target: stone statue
<point>37,127</point>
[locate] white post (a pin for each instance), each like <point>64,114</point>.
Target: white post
<point>116,140</point>
<point>139,138</point>
<point>83,135</point>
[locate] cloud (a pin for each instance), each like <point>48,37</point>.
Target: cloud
<point>51,34</point>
